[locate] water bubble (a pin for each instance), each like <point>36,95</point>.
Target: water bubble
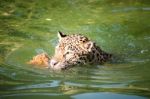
<point>143,51</point>
<point>13,74</point>
<point>48,19</point>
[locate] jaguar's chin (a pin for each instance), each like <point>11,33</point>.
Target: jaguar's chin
<point>54,65</point>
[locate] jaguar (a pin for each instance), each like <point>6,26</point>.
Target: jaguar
<point>72,50</point>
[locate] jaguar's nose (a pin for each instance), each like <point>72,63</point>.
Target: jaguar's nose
<point>53,62</point>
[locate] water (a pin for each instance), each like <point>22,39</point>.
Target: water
<point>120,27</point>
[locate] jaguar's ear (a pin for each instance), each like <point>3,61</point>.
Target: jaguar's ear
<point>89,45</point>
<point>61,35</point>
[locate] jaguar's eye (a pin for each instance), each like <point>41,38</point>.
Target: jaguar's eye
<point>67,53</point>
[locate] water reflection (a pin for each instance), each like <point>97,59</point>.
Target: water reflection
<point>106,96</point>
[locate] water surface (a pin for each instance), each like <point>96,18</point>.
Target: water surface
<point>30,27</point>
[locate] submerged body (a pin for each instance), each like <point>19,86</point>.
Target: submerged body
<point>74,50</point>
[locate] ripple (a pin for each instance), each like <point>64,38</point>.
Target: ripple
<point>100,85</point>
<point>75,84</point>
<point>137,60</point>
<point>54,83</point>
<point>14,96</point>
<point>126,9</point>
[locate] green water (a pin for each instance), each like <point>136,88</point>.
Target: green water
<point>120,27</point>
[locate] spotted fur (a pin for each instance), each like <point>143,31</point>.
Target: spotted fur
<point>75,50</point>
